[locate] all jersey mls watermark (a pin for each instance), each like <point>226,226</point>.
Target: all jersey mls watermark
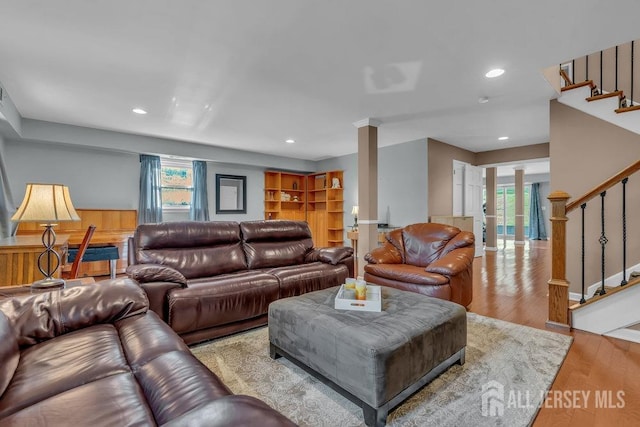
<point>495,399</point>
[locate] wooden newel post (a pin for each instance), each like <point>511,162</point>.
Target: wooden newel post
<point>558,284</point>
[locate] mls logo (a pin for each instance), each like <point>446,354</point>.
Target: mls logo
<point>493,399</point>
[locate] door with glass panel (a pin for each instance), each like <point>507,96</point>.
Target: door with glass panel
<point>506,211</point>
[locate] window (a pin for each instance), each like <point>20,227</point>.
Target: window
<point>506,209</point>
<point>176,179</point>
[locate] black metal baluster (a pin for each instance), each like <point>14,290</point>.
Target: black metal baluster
<point>573,71</point>
<point>631,93</point>
<point>582,207</point>
<point>586,72</point>
<point>616,68</point>
<point>624,232</point>
<point>603,241</point>
<point>601,87</point>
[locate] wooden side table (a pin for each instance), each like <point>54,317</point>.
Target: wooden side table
<point>19,258</point>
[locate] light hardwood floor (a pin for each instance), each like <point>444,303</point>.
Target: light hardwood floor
<point>511,285</point>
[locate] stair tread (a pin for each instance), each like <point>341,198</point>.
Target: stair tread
<point>610,291</point>
<point>617,93</point>
<point>625,109</point>
<point>577,85</point>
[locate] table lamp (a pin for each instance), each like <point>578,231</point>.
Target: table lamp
<point>47,204</point>
<point>354,212</point>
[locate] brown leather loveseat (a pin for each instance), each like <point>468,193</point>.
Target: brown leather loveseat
<point>93,355</point>
<point>208,279</point>
<point>428,258</point>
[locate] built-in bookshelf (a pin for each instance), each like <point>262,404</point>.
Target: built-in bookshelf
<point>317,198</point>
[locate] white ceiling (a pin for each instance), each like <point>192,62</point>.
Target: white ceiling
<point>250,74</point>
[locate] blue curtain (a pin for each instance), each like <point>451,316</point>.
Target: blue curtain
<point>7,208</point>
<point>199,200</point>
<point>537,230</point>
<point>150,206</point>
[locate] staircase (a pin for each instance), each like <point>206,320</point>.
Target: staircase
<point>610,314</point>
<point>605,90</point>
<point>615,69</point>
<point>611,310</point>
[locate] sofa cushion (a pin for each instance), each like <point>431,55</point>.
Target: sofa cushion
<point>462,240</point>
<point>57,365</point>
<point>299,279</point>
<point>9,353</point>
<point>116,400</point>
<point>144,273</point>
<point>234,410</point>
<point>395,238</point>
<point>406,273</point>
<point>215,301</point>
<point>39,317</point>
<point>424,242</point>
<point>195,249</point>
<point>275,243</point>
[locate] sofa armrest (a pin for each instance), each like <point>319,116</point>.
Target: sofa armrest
<point>331,256</point>
<point>43,316</point>
<point>385,254</point>
<point>145,273</point>
<point>232,410</point>
<point>454,262</point>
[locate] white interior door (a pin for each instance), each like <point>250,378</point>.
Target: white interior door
<point>458,188</point>
<point>473,201</point>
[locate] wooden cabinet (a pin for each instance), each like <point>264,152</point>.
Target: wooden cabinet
<point>317,198</point>
<point>464,223</point>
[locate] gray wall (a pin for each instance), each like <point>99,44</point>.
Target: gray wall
<point>255,193</point>
<point>109,179</point>
<point>97,179</point>
<point>255,201</point>
<point>35,130</point>
<point>402,182</point>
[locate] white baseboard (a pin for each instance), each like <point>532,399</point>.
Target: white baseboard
<point>625,334</point>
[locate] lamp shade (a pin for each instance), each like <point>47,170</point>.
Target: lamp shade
<point>354,210</point>
<point>46,203</point>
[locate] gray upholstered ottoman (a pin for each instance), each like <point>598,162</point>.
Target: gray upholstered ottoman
<point>376,360</point>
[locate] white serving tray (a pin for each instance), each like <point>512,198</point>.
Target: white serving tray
<point>372,303</point>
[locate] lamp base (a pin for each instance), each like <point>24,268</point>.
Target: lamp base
<point>48,284</point>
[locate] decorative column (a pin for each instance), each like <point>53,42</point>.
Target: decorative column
<point>367,188</point>
<point>519,235</point>
<point>491,241</point>
<point>558,284</point>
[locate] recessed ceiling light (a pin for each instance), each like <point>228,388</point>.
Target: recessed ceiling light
<point>503,138</point>
<point>494,73</point>
<point>139,111</point>
<point>290,141</point>
<point>483,100</point>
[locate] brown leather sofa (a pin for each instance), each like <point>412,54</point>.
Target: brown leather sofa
<point>94,355</point>
<point>428,258</point>
<point>208,279</point>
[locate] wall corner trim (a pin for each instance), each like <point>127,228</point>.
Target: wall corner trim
<point>367,122</point>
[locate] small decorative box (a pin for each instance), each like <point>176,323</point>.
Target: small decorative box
<point>372,303</point>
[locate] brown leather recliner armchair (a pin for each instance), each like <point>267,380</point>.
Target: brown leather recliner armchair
<point>427,258</point>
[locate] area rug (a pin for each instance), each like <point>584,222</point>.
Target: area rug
<point>507,372</point>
